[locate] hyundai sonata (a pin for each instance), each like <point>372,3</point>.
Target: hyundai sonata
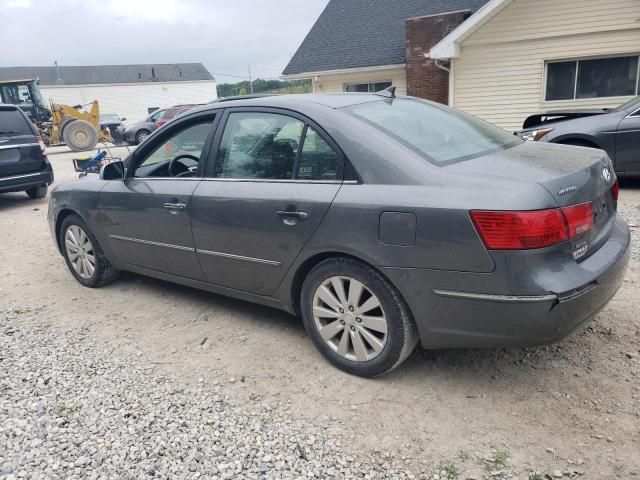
<point>381,221</point>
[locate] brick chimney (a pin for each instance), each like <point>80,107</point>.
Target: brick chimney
<point>424,78</point>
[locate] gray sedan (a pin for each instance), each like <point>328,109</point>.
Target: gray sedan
<point>383,222</point>
<point>614,130</point>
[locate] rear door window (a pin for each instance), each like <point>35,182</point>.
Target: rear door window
<point>272,146</point>
<point>259,146</point>
<point>13,122</point>
<point>318,161</point>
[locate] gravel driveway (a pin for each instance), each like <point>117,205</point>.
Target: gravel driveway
<point>144,379</point>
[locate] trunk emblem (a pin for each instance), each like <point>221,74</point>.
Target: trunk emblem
<point>606,174</point>
<point>570,189</point>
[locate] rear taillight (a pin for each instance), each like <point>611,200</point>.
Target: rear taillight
<point>43,147</point>
<point>615,190</point>
<point>524,230</point>
<point>579,218</point>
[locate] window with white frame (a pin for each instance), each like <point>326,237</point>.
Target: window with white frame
<point>368,87</point>
<point>592,78</point>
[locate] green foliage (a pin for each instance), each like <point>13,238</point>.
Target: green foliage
<point>497,462</point>
<point>450,471</point>
<point>535,476</point>
<point>263,86</point>
<point>463,456</point>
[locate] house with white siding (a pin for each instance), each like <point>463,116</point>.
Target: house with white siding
<point>501,60</point>
<point>131,91</point>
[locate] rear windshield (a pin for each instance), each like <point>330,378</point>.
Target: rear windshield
<point>12,122</point>
<point>438,133</point>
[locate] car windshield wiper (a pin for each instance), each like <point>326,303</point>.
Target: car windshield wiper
<point>8,131</point>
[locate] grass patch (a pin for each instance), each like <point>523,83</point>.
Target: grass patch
<point>464,456</point>
<point>535,476</point>
<point>450,471</point>
<point>497,462</point>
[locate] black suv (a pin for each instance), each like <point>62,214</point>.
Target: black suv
<point>23,160</point>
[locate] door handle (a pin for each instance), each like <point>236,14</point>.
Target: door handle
<point>292,215</point>
<point>175,206</point>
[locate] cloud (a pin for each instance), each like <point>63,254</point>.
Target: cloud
<point>226,36</point>
<point>18,3</point>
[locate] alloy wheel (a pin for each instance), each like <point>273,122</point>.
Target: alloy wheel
<point>350,318</point>
<point>80,251</point>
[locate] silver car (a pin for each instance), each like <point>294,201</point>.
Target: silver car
<point>383,222</point>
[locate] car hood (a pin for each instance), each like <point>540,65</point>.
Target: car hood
<point>549,116</point>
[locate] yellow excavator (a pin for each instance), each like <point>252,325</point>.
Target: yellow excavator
<point>76,126</point>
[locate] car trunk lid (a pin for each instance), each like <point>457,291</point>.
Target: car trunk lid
<point>571,175</point>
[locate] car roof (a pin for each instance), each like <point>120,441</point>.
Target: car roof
<point>329,100</point>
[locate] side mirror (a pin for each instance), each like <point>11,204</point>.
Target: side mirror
<point>123,119</point>
<point>112,171</point>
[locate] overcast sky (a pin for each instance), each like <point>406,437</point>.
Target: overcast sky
<point>225,35</point>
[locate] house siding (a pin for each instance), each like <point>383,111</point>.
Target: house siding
<point>500,73</point>
<point>133,100</point>
<point>336,82</point>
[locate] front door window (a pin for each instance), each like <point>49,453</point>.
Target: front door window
<point>179,156</point>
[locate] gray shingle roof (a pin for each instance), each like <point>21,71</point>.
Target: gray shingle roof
<point>364,33</point>
<point>107,74</point>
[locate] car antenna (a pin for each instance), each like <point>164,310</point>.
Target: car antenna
<point>389,92</point>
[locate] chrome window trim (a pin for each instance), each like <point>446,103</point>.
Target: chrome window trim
<point>7,147</point>
<point>245,180</point>
<point>149,242</point>
<point>496,298</point>
<point>192,179</point>
<point>240,257</point>
<point>273,180</point>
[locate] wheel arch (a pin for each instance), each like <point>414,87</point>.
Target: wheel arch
<point>62,215</point>
<point>302,270</point>
<point>586,140</point>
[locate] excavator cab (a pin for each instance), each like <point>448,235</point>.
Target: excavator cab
<point>26,95</point>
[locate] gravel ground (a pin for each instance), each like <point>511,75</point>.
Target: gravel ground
<point>144,379</point>
<point>74,407</point>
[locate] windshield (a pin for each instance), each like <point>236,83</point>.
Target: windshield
<point>634,102</point>
<point>440,134</point>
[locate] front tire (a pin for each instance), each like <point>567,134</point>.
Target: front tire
<point>37,192</point>
<point>84,257</point>
<point>356,318</point>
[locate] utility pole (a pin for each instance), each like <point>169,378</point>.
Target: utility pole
<point>250,80</point>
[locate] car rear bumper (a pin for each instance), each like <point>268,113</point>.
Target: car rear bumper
<point>450,311</point>
<point>18,183</point>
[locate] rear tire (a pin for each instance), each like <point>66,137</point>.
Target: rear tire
<point>368,333</point>
<point>37,192</point>
<point>85,259</point>
<point>141,135</point>
<point>80,136</point>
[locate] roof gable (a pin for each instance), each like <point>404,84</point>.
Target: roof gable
<point>109,74</point>
<point>449,46</point>
<point>364,33</point>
